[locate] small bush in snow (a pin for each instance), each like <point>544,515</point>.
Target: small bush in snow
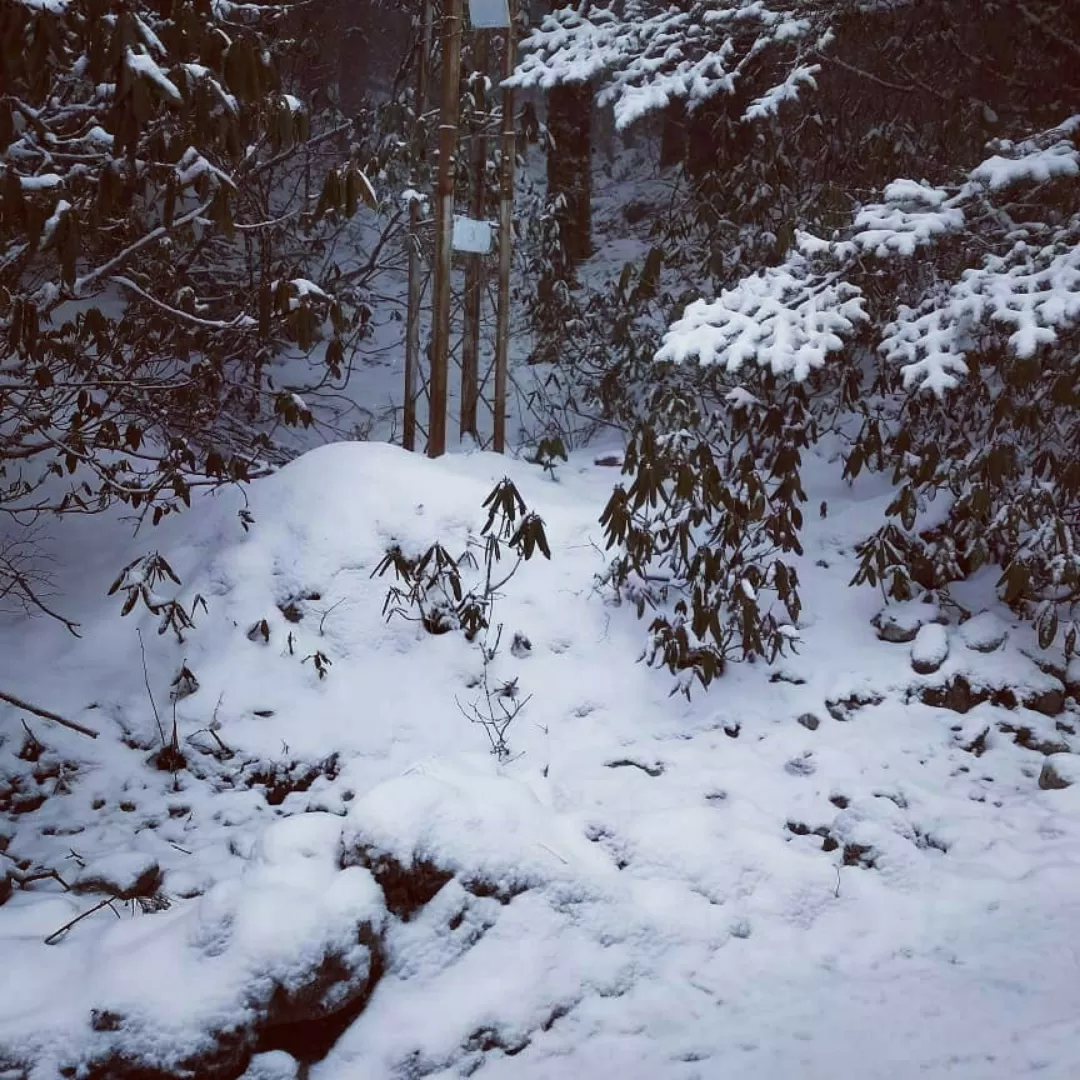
<point>430,589</point>
<point>703,527</point>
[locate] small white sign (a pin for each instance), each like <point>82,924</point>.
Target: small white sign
<point>489,14</point>
<point>471,235</point>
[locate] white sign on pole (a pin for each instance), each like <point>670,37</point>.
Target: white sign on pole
<point>489,14</point>
<point>472,236</point>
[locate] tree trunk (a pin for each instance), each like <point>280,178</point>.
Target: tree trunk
<point>570,165</point>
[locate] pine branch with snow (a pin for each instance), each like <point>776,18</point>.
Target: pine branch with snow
<point>642,54</point>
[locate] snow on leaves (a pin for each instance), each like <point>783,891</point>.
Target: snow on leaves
<point>1026,281</point>
<point>644,55</point>
<point>912,214</point>
<point>784,319</point>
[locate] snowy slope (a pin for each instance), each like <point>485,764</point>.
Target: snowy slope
<point>809,872</point>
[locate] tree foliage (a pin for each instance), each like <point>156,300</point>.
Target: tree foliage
<point>164,205</point>
<point>884,203</point>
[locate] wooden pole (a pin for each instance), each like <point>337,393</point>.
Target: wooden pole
<point>444,225</point>
<point>506,222</point>
<point>474,275</point>
<point>412,318</point>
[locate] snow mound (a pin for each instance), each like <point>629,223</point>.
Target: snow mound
<point>900,622</point>
<point>467,818</point>
<point>275,1065</point>
<point>289,940</point>
<point>984,632</point>
<point>930,648</point>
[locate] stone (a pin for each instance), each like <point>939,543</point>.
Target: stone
<point>273,1065</point>
<point>125,875</point>
<point>957,695</point>
<point>1072,678</point>
<point>1049,701</point>
<point>984,632</point>
<point>930,649</point>
<point>842,709</point>
<point>900,623</point>
<point>809,721</point>
<point>1059,771</point>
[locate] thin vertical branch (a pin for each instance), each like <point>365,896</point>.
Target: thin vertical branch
<point>149,692</point>
<point>506,221</point>
<point>474,275</point>
<point>416,287</point>
<point>444,226</point>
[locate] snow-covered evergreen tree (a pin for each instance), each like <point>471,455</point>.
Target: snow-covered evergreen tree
<point>863,243</point>
<point>152,256</point>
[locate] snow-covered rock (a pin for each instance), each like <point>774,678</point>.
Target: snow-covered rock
<point>1060,771</point>
<point>984,632</point>
<point>122,874</point>
<point>930,649</point>
<point>290,941</point>
<point>900,622</point>
<point>463,818</point>
<point>273,1065</point>
<point>1072,678</point>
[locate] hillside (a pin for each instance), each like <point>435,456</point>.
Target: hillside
<point>835,866</point>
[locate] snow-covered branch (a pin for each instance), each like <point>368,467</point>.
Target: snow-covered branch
<point>784,319</point>
<point>642,55</point>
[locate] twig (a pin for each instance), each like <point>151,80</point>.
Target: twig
<point>327,612</point>
<point>45,714</point>
<point>150,693</point>
<point>241,322</point>
<point>837,892</point>
<point>1049,30</point>
<point>56,935</point>
<point>865,74</point>
<point>32,737</point>
<point>40,875</point>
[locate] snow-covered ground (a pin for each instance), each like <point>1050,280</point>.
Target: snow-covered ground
<point>816,870</point>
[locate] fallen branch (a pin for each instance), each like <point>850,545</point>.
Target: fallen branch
<point>56,935</point>
<point>45,714</point>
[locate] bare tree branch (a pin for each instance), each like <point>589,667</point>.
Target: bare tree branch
<point>46,714</point>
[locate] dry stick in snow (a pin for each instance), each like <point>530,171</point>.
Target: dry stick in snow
<point>56,935</point>
<point>45,714</point>
<point>149,692</point>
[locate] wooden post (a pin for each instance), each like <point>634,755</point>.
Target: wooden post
<point>474,274</point>
<point>444,225</point>
<point>506,222</point>
<point>412,318</point>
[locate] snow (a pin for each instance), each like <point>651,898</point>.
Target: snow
<point>641,62</point>
<point>782,319</point>
<point>984,632</point>
<point>52,224</point>
<point>144,64</point>
<point>467,817</point>
<point>930,647</point>
<point>274,1065</point>
<point>769,103</point>
<point>913,216</point>
<point>42,182</point>
<point>636,893</point>
<point>192,165</point>
<point>1061,159</point>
